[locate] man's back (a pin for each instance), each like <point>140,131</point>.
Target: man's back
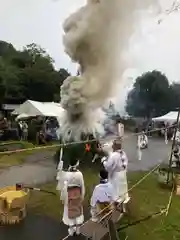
<point>102,193</point>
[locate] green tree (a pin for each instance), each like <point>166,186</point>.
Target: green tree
<point>150,96</point>
<point>28,74</point>
<point>175,95</point>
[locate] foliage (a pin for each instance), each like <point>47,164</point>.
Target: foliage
<point>150,96</point>
<point>28,74</point>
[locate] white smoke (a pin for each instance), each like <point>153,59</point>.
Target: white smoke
<point>96,37</point>
<point>154,45</point>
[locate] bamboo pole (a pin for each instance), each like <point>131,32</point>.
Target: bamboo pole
<point>173,144</point>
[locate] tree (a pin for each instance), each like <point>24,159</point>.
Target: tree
<point>175,95</point>
<point>28,74</point>
<point>150,96</point>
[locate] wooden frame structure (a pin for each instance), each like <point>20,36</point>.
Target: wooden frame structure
<point>105,229</point>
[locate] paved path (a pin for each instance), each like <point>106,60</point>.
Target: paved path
<point>35,171</point>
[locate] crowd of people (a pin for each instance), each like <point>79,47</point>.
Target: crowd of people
<point>111,190</point>
<point>35,129</point>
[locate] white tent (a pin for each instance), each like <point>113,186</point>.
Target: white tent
<point>169,117</point>
<point>34,108</point>
<point>22,116</point>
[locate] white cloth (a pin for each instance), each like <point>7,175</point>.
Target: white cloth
<point>103,192</point>
<point>116,165</point>
<point>177,138</point>
<point>165,136</point>
<point>60,173</point>
<point>120,130</point>
<point>142,141</point>
<point>139,153</point>
<point>72,179</point>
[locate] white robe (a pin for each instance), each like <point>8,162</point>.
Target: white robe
<point>177,138</point>
<point>103,192</point>
<point>116,165</point>
<point>60,174</point>
<point>72,179</point>
<point>120,130</point>
<point>143,140</point>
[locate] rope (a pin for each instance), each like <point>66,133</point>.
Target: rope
<point>162,211</point>
<point>79,142</point>
<point>66,237</point>
<point>170,200</point>
<point>135,185</point>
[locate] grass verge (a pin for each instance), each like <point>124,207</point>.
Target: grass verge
<point>14,159</point>
<point>8,160</point>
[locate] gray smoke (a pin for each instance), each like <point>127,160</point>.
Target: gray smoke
<point>95,37</point>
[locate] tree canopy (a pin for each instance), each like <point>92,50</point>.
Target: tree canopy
<point>28,74</point>
<point>152,95</point>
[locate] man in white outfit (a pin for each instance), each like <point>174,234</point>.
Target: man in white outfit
<point>102,195</point>
<point>72,196</point>
<point>143,140</point>
<point>116,166</point>
<point>177,138</point>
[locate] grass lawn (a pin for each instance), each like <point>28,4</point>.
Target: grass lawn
<point>8,160</point>
<point>14,159</point>
<point>147,198</point>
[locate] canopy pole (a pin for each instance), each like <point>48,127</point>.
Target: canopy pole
<point>173,144</point>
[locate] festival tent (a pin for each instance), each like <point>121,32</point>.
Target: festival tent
<point>22,116</point>
<point>35,108</point>
<point>169,117</point>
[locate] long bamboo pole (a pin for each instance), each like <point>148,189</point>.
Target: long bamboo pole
<point>173,144</point>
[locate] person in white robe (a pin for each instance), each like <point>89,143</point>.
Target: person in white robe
<point>166,134</point>
<point>175,156</point>
<point>139,149</point>
<point>177,138</point>
<point>143,140</point>
<point>120,130</point>
<point>116,166</point>
<point>60,173</point>
<point>103,193</point>
<point>72,196</point>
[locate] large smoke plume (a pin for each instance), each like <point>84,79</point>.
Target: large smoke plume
<point>95,37</point>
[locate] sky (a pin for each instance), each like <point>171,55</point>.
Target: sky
<point>40,21</point>
<point>151,47</point>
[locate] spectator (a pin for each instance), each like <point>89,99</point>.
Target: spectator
<point>24,131</point>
